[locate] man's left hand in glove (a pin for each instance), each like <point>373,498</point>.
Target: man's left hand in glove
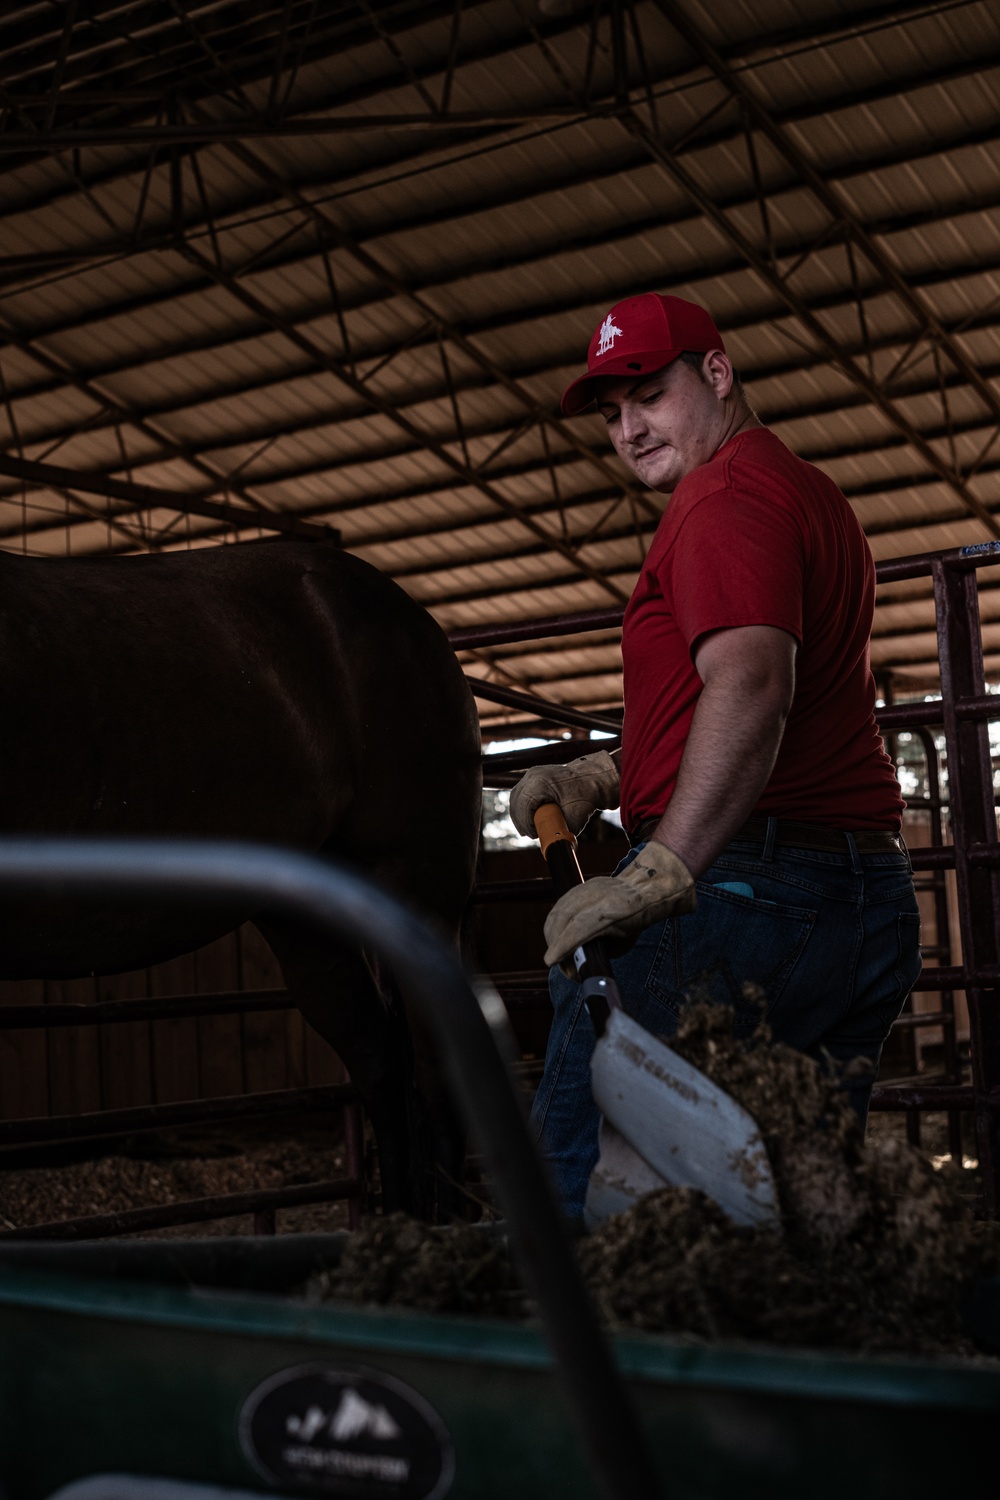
<point>657,884</point>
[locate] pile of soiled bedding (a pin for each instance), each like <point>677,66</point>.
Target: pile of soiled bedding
<point>877,1250</point>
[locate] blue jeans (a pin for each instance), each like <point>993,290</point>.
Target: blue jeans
<point>832,939</point>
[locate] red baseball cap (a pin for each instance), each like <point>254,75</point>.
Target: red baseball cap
<point>638,337</point>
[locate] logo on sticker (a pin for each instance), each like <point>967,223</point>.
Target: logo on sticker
<point>354,1433</point>
<point>980,549</point>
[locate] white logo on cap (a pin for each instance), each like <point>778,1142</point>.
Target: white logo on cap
<point>609,332</point>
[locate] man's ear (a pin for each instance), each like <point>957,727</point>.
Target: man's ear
<point>718,371</point>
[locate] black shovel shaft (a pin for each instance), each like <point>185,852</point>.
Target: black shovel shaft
<point>564,868</point>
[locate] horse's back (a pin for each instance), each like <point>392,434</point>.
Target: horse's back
<point>282,692</point>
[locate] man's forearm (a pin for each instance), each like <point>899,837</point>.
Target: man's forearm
<point>728,759</point>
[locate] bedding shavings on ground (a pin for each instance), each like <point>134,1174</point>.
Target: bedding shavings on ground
<point>877,1249</point>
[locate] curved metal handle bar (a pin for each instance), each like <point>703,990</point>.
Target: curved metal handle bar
<point>343,904</point>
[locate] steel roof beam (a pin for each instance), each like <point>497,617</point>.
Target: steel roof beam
<point>988,593</point>
<point>840,216</point>
<point>95,482</point>
<point>559,680</point>
<point>137,132</point>
<point>580,645</point>
<point>431,570</point>
<point>583,674</point>
<point>263,27</point>
<point>925,595</point>
<point>261,432</point>
<point>336,237</point>
<point>547,686</point>
<point>717,137</point>
<point>220,132</point>
<point>836,300</point>
<point>771,416</point>
<point>913,632</point>
<point>744,56</point>
<point>96,486</point>
<point>827,193</point>
<point>444,600</point>
<point>126,414</point>
<point>929,659</point>
<point>607,534</point>
<point>332,420</point>
<point>624,577</point>
<point>149,497</point>
<point>427,441</point>
<point>445,330</point>
<point>526,587</point>
<point>883,443</point>
<point>884,484</point>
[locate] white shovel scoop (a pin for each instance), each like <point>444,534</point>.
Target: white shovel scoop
<point>664,1123</point>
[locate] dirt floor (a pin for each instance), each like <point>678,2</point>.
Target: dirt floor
<point>187,1164</point>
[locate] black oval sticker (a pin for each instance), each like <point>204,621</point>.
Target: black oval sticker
<point>355,1433</point>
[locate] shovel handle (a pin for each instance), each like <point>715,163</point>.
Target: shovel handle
<point>592,963</point>
<point>558,847</point>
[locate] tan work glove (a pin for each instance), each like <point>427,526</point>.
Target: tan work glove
<point>579,788</point>
<point>655,885</point>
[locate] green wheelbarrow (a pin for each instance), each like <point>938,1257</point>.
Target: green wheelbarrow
<point>190,1360</point>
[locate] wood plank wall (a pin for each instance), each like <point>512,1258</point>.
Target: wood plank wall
<point>69,1070</point>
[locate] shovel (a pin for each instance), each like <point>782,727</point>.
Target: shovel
<point>663,1122</point>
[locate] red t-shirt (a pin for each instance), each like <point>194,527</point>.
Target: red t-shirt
<point>759,537</point>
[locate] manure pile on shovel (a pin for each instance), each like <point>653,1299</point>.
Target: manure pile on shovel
<point>877,1252</point>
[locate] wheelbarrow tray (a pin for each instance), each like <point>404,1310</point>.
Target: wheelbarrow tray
<point>140,1357</point>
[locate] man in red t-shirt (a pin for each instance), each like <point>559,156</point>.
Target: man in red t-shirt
<point>752,778</point>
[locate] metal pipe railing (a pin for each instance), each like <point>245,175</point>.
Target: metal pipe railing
<point>163,1008</point>
<point>262,1201</point>
<point>35,1141</point>
<point>471,1036</point>
<point>104,1123</point>
<point>942,949</point>
<point>555,713</point>
<point>537,629</point>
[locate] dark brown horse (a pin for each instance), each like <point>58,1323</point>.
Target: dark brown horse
<point>279,692</point>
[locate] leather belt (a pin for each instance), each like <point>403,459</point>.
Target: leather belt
<point>799,836</point>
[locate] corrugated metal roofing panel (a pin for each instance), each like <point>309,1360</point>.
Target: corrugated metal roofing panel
<point>504,245</point>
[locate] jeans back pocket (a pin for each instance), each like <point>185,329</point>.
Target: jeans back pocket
<point>730,941</point>
<point>905,969</point>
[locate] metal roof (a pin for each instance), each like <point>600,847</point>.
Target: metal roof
<point>336,262</point>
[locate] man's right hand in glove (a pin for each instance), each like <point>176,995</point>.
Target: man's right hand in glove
<point>579,788</point>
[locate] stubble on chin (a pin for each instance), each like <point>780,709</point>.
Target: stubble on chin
<point>661,474</point>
